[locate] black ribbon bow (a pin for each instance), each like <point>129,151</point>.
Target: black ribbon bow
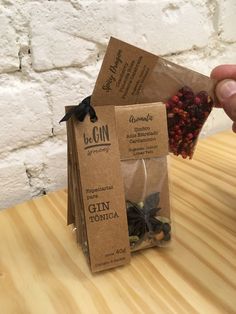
<point>81,111</point>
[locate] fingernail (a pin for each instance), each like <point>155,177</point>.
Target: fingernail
<point>234,127</point>
<point>226,89</point>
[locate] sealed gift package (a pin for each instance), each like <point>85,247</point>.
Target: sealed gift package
<point>118,196</point>
<point>130,75</point>
<point>96,197</point>
<point>143,143</point>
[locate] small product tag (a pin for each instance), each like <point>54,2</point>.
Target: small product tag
<point>123,75</point>
<point>131,75</point>
<point>102,190</point>
<point>142,131</point>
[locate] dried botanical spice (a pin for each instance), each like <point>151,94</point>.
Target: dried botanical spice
<point>147,201</point>
<point>186,114</point>
<point>143,222</point>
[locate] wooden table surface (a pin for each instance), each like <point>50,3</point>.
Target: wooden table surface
<point>42,270</point>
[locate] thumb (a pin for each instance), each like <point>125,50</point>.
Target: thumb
<point>226,93</point>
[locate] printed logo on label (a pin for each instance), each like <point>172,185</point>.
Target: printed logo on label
<point>98,140</point>
<point>113,68</point>
<point>101,212</point>
<point>133,119</point>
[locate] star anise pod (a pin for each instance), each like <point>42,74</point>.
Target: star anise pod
<point>141,217</point>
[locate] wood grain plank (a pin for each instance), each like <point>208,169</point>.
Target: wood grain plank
<point>42,269</point>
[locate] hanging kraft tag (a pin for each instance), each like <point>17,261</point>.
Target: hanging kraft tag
<point>102,190</point>
<point>142,131</point>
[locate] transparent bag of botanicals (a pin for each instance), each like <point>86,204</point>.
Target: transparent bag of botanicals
<point>188,95</point>
<point>147,202</point>
<point>189,98</point>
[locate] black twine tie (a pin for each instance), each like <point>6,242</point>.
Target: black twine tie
<point>80,111</point>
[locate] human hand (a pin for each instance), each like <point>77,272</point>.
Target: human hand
<point>226,89</point>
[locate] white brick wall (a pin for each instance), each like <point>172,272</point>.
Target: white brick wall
<point>9,45</point>
<point>227,10</point>
<point>25,118</point>
<point>51,52</point>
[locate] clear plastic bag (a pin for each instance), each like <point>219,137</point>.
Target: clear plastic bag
<point>166,78</point>
<point>141,77</point>
<point>147,202</point>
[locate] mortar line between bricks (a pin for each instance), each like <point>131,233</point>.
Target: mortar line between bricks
<point>61,69</point>
<point>59,137</point>
<point>215,41</point>
<point>90,40</point>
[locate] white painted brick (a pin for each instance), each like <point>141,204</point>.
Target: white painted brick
<point>163,27</point>
<point>69,89</point>
<point>227,20</point>
<point>25,116</point>
<point>14,184</point>
<point>56,167</point>
<point>46,166</point>
<point>31,172</point>
<point>9,61</point>
<point>216,122</point>
<point>204,61</point>
<point>35,161</point>
<point>53,43</point>
<point>63,36</point>
<point>228,55</point>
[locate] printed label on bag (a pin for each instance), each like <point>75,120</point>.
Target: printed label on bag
<point>125,70</point>
<point>130,75</point>
<point>142,131</point>
<point>103,190</point>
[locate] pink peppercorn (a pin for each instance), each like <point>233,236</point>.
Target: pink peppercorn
<point>186,114</point>
<point>175,99</point>
<point>197,100</point>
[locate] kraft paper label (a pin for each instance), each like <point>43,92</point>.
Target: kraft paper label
<point>102,190</point>
<point>142,131</point>
<point>124,71</point>
<point>130,75</point>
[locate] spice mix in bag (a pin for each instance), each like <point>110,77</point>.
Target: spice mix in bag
<point>118,197</point>
<point>143,143</point>
<point>130,75</point>
<point>118,180</point>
